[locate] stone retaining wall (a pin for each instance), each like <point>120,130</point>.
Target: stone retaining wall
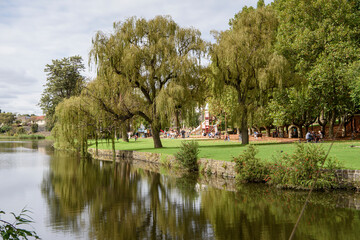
<point>215,167</point>
<point>210,166</point>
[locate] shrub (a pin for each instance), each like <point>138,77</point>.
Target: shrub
<point>34,127</point>
<point>187,156</point>
<point>250,168</point>
<point>20,130</point>
<point>299,169</point>
<point>5,128</point>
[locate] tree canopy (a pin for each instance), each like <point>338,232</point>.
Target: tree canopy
<point>244,59</point>
<point>151,60</point>
<point>64,80</point>
<point>321,40</point>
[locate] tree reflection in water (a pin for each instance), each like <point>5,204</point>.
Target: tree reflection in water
<point>124,202</point>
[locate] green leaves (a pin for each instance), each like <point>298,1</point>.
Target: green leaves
<point>12,230</point>
<point>155,63</point>
<point>64,80</point>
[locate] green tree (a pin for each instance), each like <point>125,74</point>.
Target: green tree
<point>64,80</point>
<point>34,127</point>
<point>321,40</point>
<point>7,118</point>
<point>244,59</point>
<point>149,60</point>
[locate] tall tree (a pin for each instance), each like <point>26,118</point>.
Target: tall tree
<point>150,59</point>
<point>7,118</point>
<point>64,80</point>
<point>321,40</point>
<point>244,58</point>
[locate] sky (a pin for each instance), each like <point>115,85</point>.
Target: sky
<point>34,32</point>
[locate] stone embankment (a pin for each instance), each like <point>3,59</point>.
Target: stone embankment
<point>223,169</point>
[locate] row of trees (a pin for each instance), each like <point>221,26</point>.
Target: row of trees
<point>293,62</point>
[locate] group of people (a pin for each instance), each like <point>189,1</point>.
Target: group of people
<point>173,134</point>
<point>314,137</point>
<point>257,135</point>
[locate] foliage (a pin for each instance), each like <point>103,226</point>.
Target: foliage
<point>20,130</point>
<point>7,118</point>
<point>5,128</point>
<point>298,170</point>
<point>63,81</point>
<point>248,167</point>
<point>34,128</point>
<point>12,231</point>
<point>243,58</point>
<point>320,39</point>
<point>74,126</point>
<point>156,63</point>
<point>187,155</point>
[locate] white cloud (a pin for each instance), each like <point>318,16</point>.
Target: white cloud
<point>35,32</point>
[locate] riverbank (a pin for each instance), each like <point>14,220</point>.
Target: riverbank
<point>347,152</point>
<point>22,136</point>
<point>223,169</point>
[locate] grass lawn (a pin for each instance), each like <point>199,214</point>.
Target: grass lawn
<point>224,150</point>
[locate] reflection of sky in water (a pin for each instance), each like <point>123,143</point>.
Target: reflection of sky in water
<point>74,199</point>
<point>21,173</point>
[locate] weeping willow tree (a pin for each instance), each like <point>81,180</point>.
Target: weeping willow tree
<point>151,60</point>
<point>75,124</point>
<point>243,58</point>
<point>112,105</point>
<point>182,98</point>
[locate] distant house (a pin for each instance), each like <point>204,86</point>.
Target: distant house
<point>39,120</point>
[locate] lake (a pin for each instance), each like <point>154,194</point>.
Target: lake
<point>72,198</point>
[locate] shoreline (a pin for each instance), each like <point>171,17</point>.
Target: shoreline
<point>219,168</point>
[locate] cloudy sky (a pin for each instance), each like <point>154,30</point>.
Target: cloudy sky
<point>33,32</point>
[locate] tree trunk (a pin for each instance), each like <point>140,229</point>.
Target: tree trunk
<point>124,134</point>
<point>300,132</point>
<point>306,128</point>
<point>323,129</point>
<point>225,126</point>
<point>268,131</point>
<point>281,132</point>
<point>156,136</point>
<point>97,145</point>
<point>113,148</point>
<point>343,130</point>
<point>251,131</point>
<point>244,128</point>
<point>177,121</point>
<point>331,124</point>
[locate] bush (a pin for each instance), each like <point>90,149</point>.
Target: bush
<point>34,128</point>
<point>299,169</point>
<point>20,130</point>
<point>5,128</point>
<point>248,167</point>
<point>188,155</point>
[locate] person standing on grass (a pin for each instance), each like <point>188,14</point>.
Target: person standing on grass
<point>308,136</point>
<point>321,136</point>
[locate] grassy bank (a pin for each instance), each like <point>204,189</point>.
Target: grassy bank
<point>22,136</point>
<point>224,150</point>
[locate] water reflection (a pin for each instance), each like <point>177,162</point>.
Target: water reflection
<point>124,202</point>
<point>94,200</point>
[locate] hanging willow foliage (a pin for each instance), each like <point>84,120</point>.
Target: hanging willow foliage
<point>156,62</point>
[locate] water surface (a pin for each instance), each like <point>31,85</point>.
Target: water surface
<point>76,199</point>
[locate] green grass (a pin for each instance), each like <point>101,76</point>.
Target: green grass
<point>224,150</point>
